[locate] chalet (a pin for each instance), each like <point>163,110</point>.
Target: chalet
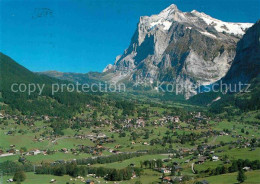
<point>167,179</point>
<point>12,146</point>
<point>117,146</point>
<point>52,181</point>
<point>64,150</point>
<point>35,152</point>
<point>100,147</point>
<point>46,118</point>
<point>40,139</point>
<point>140,123</point>
<point>74,151</point>
<point>176,119</point>
<point>201,160</point>
<point>91,135</point>
<point>13,151</point>
<point>222,133</point>
<point>45,152</point>
<point>133,175</point>
<point>165,170</point>
<point>246,168</point>
<point>115,151</point>
<point>79,136</point>
<point>101,136</point>
<point>185,150</point>
<point>90,182</point>
<point>177,179</point>
<point>9,180</point>
<point>215,158</point>
<point>247,144</point>
<point>177,168</point>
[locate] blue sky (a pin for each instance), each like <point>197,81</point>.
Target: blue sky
<point>86,35</point>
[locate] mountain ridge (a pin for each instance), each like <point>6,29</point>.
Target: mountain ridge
<point>187,48</point>
<point>246,65</point>
<point>90,77</point>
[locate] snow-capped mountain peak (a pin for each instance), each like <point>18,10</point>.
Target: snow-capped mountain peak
<point>168,11</point>
<point>180,47</point>
<point>164,20</point>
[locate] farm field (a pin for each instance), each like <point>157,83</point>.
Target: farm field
<point>253,177</point>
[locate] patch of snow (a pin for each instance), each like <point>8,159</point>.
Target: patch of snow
<point>208,34</point>
<point>220,26</point>
<point>167,24</point>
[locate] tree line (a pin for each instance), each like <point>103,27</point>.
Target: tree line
<point>118,157</point>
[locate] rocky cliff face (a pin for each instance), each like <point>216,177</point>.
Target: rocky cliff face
<point>246,65</point>
<point>185,48</point>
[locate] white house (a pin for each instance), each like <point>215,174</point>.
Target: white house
<point>246,168</point>
<point>10,180</point>
<point>215,158</point>
<point>165,171</point>
<point>101,135</point>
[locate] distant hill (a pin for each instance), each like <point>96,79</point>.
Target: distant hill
<point>89,78</point>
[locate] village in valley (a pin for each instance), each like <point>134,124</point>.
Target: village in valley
<point>163,143</point>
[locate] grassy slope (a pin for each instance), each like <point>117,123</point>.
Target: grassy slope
<point>253,177</point>
<point>148,177</point>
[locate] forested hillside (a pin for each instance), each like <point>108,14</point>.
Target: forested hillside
<point>35,104</point>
